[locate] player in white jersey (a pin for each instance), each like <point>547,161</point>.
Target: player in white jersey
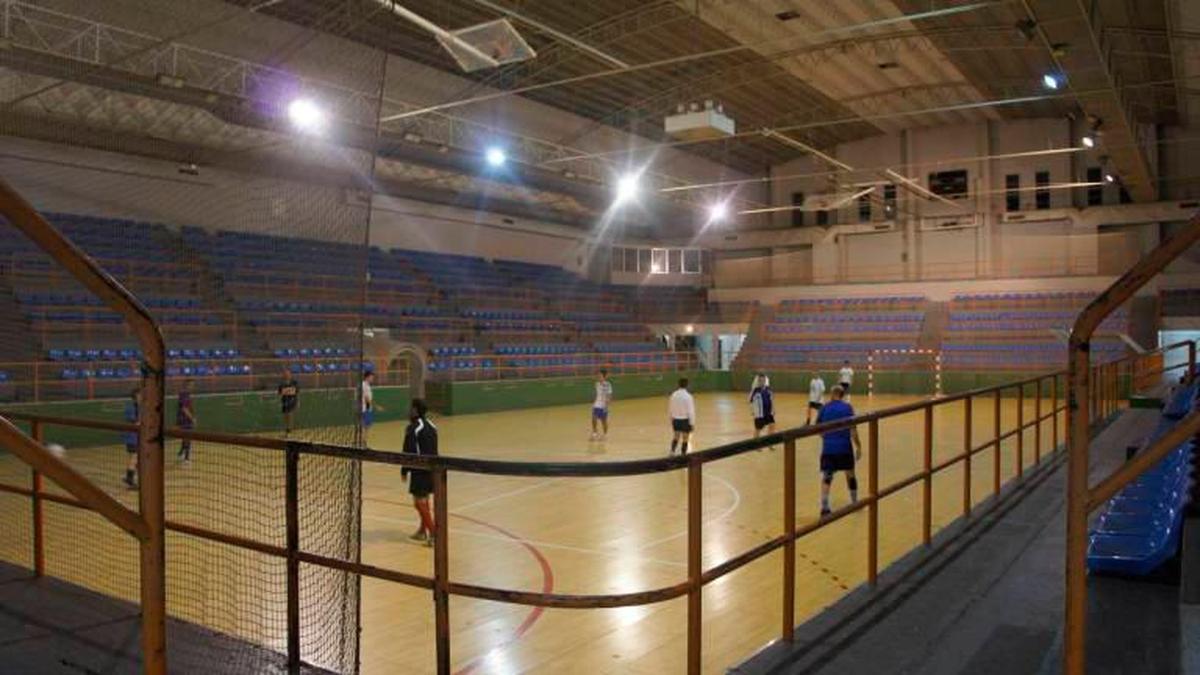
<point>816,396</point>
<point>604,394</point>
<point>846,378</point>
<point>682,410</point>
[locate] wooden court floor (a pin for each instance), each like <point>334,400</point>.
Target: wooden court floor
<point>607,535</point>
<point>628,534</point>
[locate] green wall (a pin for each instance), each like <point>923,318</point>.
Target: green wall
<point>240,413</point>
<point>460,398</point>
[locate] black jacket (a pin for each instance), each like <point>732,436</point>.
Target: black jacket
<point>420,438</point>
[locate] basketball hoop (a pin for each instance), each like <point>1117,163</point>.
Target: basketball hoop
<point>496,39</point>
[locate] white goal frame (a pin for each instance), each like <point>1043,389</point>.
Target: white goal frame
<point>937,366</point>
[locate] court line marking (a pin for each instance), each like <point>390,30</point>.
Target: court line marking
<point>534,614</point>
<point>737,500</point>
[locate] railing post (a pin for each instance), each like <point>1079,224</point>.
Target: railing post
<point>695,615</point>
<point>1037,424</point>
<point>996,443</point>
<point>927,483</point>
<point>873,507</point>
<point>441,570</point>
<point>1191,347</point>
<point>1054,418</point>
<point>291,509</point>
<point>39,532</point>
<point>1020,430</point>
<point>789,543</point>
<point>967,423</point>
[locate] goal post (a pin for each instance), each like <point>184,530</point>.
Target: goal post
<point>904,360</point>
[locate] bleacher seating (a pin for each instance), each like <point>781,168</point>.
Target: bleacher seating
<point>1181,302</point>
<point>999,331</point>
<point>229,299</point>
<point>1140,528</point>
<point>822,333</point>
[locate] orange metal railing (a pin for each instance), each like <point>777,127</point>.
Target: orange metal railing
<point>1090,392</point>
<point>1049,409</point>
<point>147,525</point>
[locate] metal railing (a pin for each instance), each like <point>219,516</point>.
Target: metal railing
<point>1048,408</point>
<point>1089,392</point>
<point>146,525</point>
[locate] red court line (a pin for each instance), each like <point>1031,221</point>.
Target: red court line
<point>534,614</point>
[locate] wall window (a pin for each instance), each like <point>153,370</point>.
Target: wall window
<point>658,261</point>
<point>949,184</point>
<point>1012,192</point>
<point>1095,193</point>
<point>675,260</point>
<point>1041,193</point>
<point>822,217</point>
<point>643,265</point>
<point>864,208</point>
<point>797,214</point>
<point>889,200</point>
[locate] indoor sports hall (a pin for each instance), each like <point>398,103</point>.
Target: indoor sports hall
<point>623,336</point>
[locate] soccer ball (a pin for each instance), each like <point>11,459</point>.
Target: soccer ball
<point>56,450</point>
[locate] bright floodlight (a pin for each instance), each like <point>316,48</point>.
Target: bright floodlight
<point>306,115</point>
<point>1109,178</point>
<point>1088,141</point>
<point>627,187</point>
<point>718,212</point>
<point>1051,81</point>
<point>495,157</point>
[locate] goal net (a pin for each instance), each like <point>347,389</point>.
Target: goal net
<point>904,371</point>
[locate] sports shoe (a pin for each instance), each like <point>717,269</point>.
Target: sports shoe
<point>825,512</point>
<point>129,481</point>
<point>429,541</point>
<point>419,535</point>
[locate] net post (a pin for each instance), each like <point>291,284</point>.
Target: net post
<point>1020,430</point>
<point>39,531</point>
<point>996,442</point>
<point>967,423</point>
<point>927,482</point>
<point>695,615</point>
<point>873,507</point>
<point>789,543</point>
<point>292,520</point>
<point>441,570</point>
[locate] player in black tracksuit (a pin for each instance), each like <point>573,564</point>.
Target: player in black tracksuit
<point>420,438</point>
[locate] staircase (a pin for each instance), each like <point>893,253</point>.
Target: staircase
<point>210,287</point>
<point>763,315</point>
<point>933,327</point>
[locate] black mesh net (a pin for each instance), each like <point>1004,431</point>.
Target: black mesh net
<point>230,194</point>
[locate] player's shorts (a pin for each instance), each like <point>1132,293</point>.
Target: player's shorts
<point>288,407</point>
<point>420,483</point>
<point>368,418</point>
<point>683,426</point>
<point>845,386</point>
<point>765,421</point>
<point>842,461</point>
<point>816,405</point>
<point>600,413</point>
<point>131,448</point>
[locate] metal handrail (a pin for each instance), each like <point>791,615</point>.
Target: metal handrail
<point>70,257</point>
<point>698,577</point>
<point>1083,404</point>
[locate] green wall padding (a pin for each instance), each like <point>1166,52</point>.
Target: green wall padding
<point>461,398</point>
<point>239,413</point>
